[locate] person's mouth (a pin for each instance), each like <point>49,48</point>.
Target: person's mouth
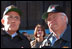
<point>13,25</point>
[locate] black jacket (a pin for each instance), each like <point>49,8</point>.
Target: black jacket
<point>65,40</point>
<point>18,41</point>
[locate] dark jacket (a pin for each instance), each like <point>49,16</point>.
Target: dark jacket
<point>18,41</point>
<point>65,40</point>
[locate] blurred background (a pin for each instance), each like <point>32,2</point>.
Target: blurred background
<point>32,12</point>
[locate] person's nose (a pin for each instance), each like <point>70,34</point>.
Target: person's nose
<point>13,20</point>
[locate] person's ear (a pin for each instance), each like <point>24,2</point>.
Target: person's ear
<point>2,21</point>
<point>65,18</point>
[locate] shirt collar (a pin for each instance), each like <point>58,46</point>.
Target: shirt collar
<point>13,35</point>
<point>53,39</point>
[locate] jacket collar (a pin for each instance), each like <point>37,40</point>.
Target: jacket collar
<point>67,34</point>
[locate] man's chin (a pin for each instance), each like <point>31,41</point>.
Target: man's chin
<point>14,30</point>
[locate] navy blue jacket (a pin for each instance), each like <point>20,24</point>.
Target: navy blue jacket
<point>18,41</point>
<point>65,40</point>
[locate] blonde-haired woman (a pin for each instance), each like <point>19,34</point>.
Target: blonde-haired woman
<point>39,35</point>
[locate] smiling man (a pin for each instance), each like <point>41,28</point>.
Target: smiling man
<point>10,38</point>
<point>57,22</point>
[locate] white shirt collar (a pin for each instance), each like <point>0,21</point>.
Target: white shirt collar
<point>53,39</point>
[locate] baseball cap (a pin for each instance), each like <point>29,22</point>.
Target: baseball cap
<point>11,8</point>
<point>53,8</point>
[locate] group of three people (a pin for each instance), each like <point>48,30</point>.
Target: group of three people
<point>55,18</point>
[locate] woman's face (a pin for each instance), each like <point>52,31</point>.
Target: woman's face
<point>40,32</point>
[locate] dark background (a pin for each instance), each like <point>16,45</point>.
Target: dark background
<point>33,10</point>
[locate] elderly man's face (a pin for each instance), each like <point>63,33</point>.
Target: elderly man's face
<point>55,21</point>
<point>12,21</point>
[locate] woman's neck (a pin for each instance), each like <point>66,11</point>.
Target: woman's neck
<point>40,39</point>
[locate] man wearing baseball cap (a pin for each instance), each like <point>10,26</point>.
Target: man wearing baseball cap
<point>57,21</point>
<point>10,37</point>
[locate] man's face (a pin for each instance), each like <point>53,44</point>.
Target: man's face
<point>12,21</point>
<point>55,21</point>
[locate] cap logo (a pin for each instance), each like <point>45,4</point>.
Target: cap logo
<point>50,9</point>
<point>7,8</point>
<point>53,7</point>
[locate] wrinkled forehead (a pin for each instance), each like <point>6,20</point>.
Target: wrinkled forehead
<point>54,14</point>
